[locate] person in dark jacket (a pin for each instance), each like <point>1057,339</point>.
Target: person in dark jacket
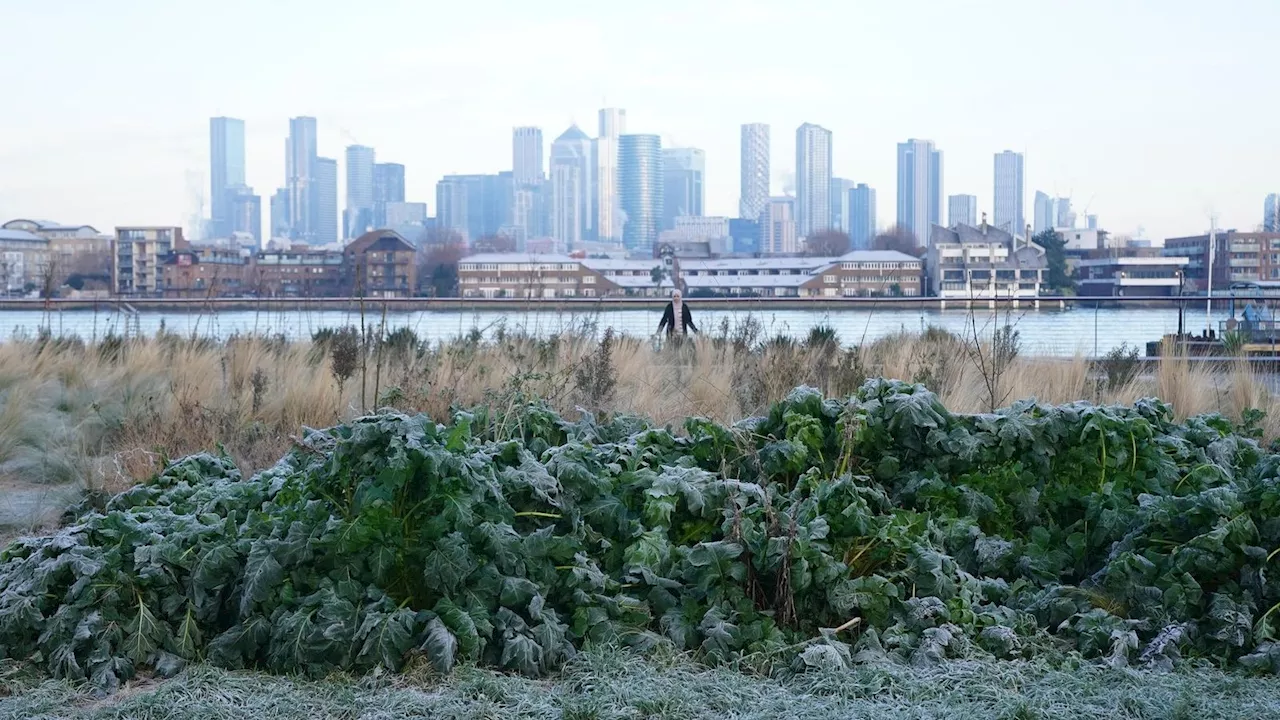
<point>676,308</point>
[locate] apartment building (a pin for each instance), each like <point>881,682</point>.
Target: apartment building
<point>300,271</point>
<point>525,275</point>
<point>1237,257</point>
<point>382,264</point>
<point>139,253</point>
<point>855,274</point>
<point>206,272</point>
<point>984,262</point>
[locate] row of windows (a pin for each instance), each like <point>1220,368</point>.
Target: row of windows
<point>880,266</point>
<point>518,267</point>
<point>871,279</point>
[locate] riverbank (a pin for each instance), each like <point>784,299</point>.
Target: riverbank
<point>583,305</point>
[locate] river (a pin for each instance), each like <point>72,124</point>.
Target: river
<point>1084,331</point>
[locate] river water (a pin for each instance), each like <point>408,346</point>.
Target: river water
<point>1084,331</point>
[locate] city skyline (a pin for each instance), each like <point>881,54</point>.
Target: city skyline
<point>144,129</point>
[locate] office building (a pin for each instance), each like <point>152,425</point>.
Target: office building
<point>745,235</point>
<point>326,202</point>
<point>358,217</point>
<point>279,214</point>
<point>640,179</point>
<point>606,223</point>
<point>571,183</point>
<point>1007,210</point>
<point>962,210</point>
<point>684,193</point>
<point>388,187</point>
<point>1044,213</point>
<point>406,213</point>
<point>813,179</point>
<point>526,156</point>
<point>226,170</point>
<point>1271,213</point>
<point>754,185</point>
<point>244,210</point>
<point>778,226</point>
<point>862,217</point>
<point>1091,222</point>
<point>840,218</point>
<point>919,187</point>
<point>300,179</point>
<point>1063,215</point>
<point>474,206</point>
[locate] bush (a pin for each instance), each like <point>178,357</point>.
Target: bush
<point>512,537</point>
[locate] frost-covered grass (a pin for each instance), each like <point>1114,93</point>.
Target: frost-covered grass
<point>607,684</point>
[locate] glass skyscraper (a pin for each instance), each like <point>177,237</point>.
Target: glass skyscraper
<point>1009,196</point>
<point>813,179</point>
<point>359,214</point>
<point>326,202</point>
<point>753,194</point>
<point>226,171</point>
<point>388,187</point>
<point>683,190</point>
<point>1271,213</point>
<point>300,180</point>
<point>919,188</point>
<point>640,180</point>
<point>862,216</point>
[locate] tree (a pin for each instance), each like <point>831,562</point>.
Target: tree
<point>495,244</point>
<point>900,239</point>
<point>657,274</point>
<point>827,243</point>
<point>438,259</point>
<point>1054,253</point>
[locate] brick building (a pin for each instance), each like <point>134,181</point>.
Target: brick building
<point>1237,257</point>
<point>300,271</point>
<point>380,263</point>
<point>206,272</point>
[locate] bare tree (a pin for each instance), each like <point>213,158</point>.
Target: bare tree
<point>438,259</point>
<point>900,239</point>
<point>495,244</point>
<point>827,243</point>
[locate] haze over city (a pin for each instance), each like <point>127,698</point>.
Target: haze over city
<point>1149,114</point>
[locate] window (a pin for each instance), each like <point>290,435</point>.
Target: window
<point>829,279</point>
<point>588,279</point>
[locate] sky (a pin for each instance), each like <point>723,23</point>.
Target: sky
<point>1149,113</point>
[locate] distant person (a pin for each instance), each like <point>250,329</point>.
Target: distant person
<point>676,308</point>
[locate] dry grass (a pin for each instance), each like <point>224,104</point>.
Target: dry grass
<point>106,415</point>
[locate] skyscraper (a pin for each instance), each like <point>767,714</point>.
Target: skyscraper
<point>1271,213</point>
<point>1044,216</point>
<point>1009,194</point>
<point>358,218</point>
<point>778,226</point>
<point>474,206</point>
<point>754,192</point>
<point>919,187</point>
<point>571,183</point>
<point>279,214</point>
<point>451,205</point>
<point>862,211</point>
<point>606,202</point>
<point>388,187</point>
<point>813,179</point>
<point>526,156</point>
<point>962,210</point>
<point>1063,217</point>
<point>226,170</point>
<point>683,188</point>
<point>245,212</point>
<point>640,190</point>
<point>326,201</point>
<point>300,179</point>
<point>840,218</point>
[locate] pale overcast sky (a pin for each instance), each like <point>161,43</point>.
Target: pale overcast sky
<point>1152,112</point>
